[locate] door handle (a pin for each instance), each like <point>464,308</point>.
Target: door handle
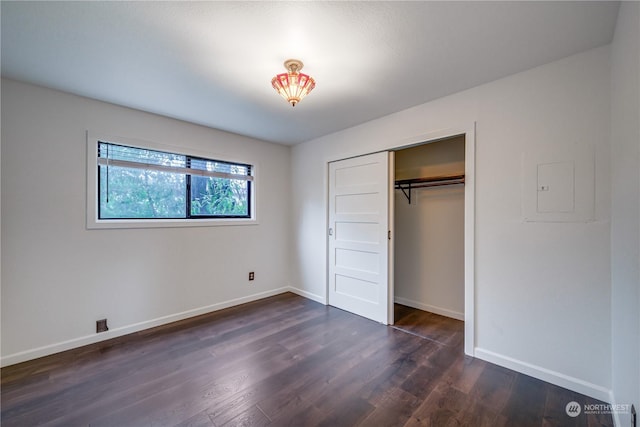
<point>330,231</point>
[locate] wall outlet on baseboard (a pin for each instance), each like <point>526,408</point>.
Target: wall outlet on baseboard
<point>252,275</point>
<point>101,326</point>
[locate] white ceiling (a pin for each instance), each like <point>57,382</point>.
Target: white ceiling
<point>211,63</point>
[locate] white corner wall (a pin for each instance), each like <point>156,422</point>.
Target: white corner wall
<point>625,209</point>
<point>429,242</point>
<point>58,277</point>
<point>543,301</point>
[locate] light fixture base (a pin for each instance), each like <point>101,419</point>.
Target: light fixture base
<point>293,65</point>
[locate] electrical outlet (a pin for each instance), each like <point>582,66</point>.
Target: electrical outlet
<point>101,326</point>
<point>252,275</point>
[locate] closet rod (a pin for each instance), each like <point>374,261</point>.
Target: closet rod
<point>409,184</point>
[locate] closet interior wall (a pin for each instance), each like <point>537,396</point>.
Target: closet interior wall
<point>429,244</point>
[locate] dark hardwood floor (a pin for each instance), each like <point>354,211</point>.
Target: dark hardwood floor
<point>283,361</point>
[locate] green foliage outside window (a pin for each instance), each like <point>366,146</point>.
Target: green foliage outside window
<point>137,193</point>
<point>218,196</point>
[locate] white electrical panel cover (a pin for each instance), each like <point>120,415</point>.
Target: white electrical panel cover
<point>558,185</point>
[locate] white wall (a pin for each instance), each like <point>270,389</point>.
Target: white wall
<point>429,243</point>
<point>543,303</point>
<point>58,278</point>
<point>625,208</point>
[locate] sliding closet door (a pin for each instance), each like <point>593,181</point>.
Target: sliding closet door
<point>359,233</point>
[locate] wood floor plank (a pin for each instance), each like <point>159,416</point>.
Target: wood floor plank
<point>252,417</point>
<point>463,373</point>
<point>348,412</point>
<point>526,403</point>
<point>319,374</point>
<point>391,378</point>
<point>394,409</point>
<point>295,375</point>
<point>493,387</point>
<point>477,414</point>
<point>422,381</point>
<point>439,408</point>
<point>306,415</point>
<point>428,325</point>
<point>369,372</point>
<point>198,420</point>
<point>168,406</point>
<point>282,361</point>
<point>555,407</point>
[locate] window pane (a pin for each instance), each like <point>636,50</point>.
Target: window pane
<point>219,197</point>
<point>140,193</point>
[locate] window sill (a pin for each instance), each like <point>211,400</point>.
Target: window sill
<point>167,223</point>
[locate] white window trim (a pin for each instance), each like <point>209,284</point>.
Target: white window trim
<point>93,222</point>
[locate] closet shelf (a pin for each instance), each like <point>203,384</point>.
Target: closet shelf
<point>406,185</point>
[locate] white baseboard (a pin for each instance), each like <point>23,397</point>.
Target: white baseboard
<point>553,377</point>
<point>430,308</point>
<point>309,295</point>
<point>23,356</point>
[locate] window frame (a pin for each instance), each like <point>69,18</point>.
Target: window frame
<point>94,222</point>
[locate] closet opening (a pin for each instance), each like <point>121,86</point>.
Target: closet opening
<point>429,244</point>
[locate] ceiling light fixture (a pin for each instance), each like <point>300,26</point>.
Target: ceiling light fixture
<point>293,85</point>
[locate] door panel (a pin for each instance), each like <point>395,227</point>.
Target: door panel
<point>358,238</point>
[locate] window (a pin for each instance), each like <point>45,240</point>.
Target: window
<point>136,183</point>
